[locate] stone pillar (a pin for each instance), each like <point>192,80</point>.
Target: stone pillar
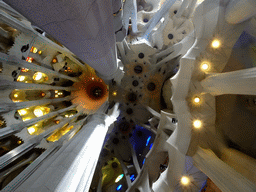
<point>223,176</point>
<point>156,18</point>
<point>117,75</point>
<point>241,162</point>
<point>72,167</point>
<point>240,82</point>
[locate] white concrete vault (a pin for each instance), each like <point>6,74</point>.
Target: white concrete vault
<point>128,95</point>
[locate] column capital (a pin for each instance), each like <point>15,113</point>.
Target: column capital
<point>117,75</point>
<point>98,117</point>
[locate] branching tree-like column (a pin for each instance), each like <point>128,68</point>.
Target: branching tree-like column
<point>72,167</point>
<point>240,82</point>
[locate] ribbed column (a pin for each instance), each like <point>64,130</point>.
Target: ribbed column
<point>22,149</point>
<point>85,27</point>
<point>15,23</point>
<point>225,177</point>
<point>72,167</point>
<point>19,126</point>
<point>170,178</point>
<point>21,178</point>
<point>240,82</point>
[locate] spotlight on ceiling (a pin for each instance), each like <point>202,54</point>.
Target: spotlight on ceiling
<point>215,44</point>
<point>205,66</point>
<point>114,93</point>
<point>197,124</point>
<point>185,180</point>
<point>196,100</point>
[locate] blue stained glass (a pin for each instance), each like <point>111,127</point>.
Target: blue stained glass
<point>151,146</point>
<point>132,177</point>
<point>148,140</point>
<point>119,187</point>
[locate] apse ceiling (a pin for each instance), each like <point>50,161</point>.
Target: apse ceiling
<point>53,80</point>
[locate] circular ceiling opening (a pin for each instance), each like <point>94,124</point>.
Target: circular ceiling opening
<point>135,83</point>
<point>129,111</point>
<point>115,141</point>
<point>138,69</point>
<point>132,97</point>
<point>124,126</point>
<point>170,36</point>
<point>141,55</point>
<point>96,92</point>
<point>151,86</point>
<point>139,133</point>
<point>114,165</point>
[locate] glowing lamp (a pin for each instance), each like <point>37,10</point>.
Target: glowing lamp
<point>114,93</point>
<point>196,100</point>
<point>215,44</point>
<point>15,95</point>
<point>185,180</point>
<point>197,124</point>
<point>205,66</point>
<point>54,60</point>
